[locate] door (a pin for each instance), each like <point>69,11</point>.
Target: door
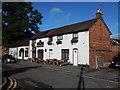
<point>22,53</point>
<point>40,54</point>
<point>75,57</point>
<point>50,53</point>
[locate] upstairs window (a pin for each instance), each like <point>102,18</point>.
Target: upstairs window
<point>60,37</point>
<point>75,35</point>
<point>50,39</point>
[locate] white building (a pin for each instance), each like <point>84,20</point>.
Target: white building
<point>74,52</point>
<point>19,49</point>
<point>81,43</point>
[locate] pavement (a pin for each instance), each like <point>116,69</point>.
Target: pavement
<point>102,73</point>
<point>31,74</point>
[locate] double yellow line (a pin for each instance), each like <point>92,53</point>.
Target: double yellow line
<point>13,83</point>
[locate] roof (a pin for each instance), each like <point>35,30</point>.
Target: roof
<point>77,27</point>
<point>40,34</point>
<point>20,43</point>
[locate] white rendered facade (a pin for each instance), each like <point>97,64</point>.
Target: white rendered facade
<point>78,52</point>
<point>15,51</point>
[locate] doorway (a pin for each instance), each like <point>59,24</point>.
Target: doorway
<point>21,53</point>
<point>75,57</point>
<point>40,54</point>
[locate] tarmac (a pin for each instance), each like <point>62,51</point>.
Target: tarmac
<point>105,73</point>
<point>32,74</point>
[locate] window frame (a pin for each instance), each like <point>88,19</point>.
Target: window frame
<point>65,54</point>
<point>50,39</point>
<point>75,35</point>
<point>60,37</point>
<point>26,54</point>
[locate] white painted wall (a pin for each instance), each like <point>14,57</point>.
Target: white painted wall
<point>24,52</point>
<point>13,52</point>
<point>82,45</point>
<point>30,49</point>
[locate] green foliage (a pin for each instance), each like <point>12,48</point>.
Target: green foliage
<point>74,40</point>
<point>49,43</point>
<point>33,44</point>
<point>86,65</point>
<point>19,19</point>
<point>59,42</point>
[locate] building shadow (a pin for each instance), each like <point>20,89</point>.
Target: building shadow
<point>8,73</point>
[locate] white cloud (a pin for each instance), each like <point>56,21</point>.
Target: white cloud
<point>115,36</point>
<point>55,10</point>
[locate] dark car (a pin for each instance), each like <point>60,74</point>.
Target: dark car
<point>8,59</point>
<point>116,61</point>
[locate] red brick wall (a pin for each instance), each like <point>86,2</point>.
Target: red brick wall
<point>99,43</point>
<point>99,36</point>
<point>115,50</point>
<point>92,62</point>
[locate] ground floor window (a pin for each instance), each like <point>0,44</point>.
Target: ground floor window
<point>34,54</point>
<point>65,54</point>
<point>26,53</point>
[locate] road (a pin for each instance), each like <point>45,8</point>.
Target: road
<point>36,75</point>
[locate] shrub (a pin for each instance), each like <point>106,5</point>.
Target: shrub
<point>74,40</point>
<point>49,43</point>
<point>59,42</point>
<point>33,44</point>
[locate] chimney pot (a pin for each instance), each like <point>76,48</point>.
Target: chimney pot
<point>99,13</point>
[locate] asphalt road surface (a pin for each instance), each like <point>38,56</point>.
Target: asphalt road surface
<point>33,75</point>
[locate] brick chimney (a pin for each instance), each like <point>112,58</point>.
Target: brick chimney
<point>99,13</point>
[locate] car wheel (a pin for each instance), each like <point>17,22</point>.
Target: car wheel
<point>111,65</point>
<point>5,61</point>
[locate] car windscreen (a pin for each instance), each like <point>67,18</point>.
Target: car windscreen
<point>7,56</point>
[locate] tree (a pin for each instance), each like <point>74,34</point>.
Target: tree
<point>19,19</point>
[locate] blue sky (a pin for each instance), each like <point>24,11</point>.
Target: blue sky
<point>57,14</point>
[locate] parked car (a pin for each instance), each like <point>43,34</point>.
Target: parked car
<point>116,62</point>
<point>8,59</point>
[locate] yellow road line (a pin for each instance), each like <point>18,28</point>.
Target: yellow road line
<point>15,82</point>
<point>11,83</point>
